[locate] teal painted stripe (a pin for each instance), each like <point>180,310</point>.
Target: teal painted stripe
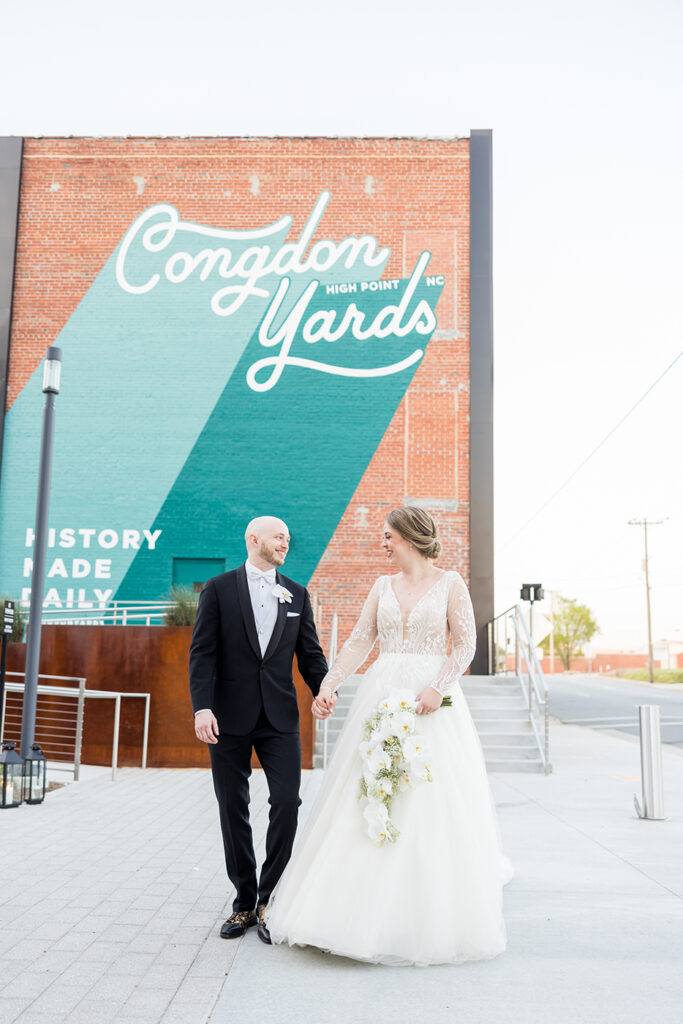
<point>297,451</point>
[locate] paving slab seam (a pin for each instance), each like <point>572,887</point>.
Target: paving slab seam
<point>597,842</point>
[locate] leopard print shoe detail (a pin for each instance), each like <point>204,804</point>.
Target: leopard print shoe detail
<point>263,933</point>
<point>237,924</point>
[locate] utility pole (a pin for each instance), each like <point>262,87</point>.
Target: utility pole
<point>552,633</point>
<point>646,565</point>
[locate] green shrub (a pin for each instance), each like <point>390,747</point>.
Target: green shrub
<point>20,618</point>
<point>183,607</point>
<point>661,675</point>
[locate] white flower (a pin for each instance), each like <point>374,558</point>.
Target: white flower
<point>383,730</point>
<point>405,700</point>
<point>392,725</point>
<point>381,788</point>
<point>282,594</point>
<point>378,760</point>
<point>399,700</point>
<point>402,723</point>
<point>375,813</point>
<point>414,748</point>
<point>422,770</point>
<point>365,749</point>
<point>378,832</point>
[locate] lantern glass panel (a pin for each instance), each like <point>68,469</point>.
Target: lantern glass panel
<point>11,776</point>
<point>16,782</point>
<point>35,769</point>
<point>37,780</point>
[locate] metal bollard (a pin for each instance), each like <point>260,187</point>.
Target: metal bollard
<point>650,764</point>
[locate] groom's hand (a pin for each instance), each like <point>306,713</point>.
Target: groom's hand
<point>206,727</point>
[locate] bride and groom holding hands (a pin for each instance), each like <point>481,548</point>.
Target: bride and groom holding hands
<point>432,892</point>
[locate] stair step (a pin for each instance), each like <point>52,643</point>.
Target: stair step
<point>493,727</point>
<point>508,739</point>
<point>512,765</point>
<point>499,711</point>
<point>506,687</point>
<point>494,713</point>
<point>334,725</point>
<point>344,703</point>
<point>515,700</point>
<point>505,750</point>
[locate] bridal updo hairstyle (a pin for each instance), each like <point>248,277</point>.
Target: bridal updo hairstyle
<point>417,527</point>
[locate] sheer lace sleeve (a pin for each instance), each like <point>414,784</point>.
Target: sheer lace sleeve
<point>463,632</point>
<point>360,642</point>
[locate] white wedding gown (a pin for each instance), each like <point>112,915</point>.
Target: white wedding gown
<point>435,895</point>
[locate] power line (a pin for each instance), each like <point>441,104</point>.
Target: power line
<point>590,456</point>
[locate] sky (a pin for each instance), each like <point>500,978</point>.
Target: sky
<point>585,102</point>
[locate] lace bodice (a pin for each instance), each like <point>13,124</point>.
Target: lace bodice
<point>445,609</point>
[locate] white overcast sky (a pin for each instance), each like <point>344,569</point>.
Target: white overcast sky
<point>585,103</point>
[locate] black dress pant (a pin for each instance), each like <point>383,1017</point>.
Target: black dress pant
<point>280,757</point>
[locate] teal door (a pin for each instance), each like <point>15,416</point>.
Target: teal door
<point>194,572</point>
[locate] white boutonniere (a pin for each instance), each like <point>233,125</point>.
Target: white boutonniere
<point>282,594</point>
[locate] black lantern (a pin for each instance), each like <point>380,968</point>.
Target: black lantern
<point>35,772</point>
<point>11,776</point>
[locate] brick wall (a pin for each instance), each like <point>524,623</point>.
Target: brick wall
<point>80,195</point>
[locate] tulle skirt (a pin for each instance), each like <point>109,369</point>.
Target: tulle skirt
<point>432,897</point>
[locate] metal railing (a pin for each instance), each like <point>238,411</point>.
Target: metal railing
<point>331,655</point>
<point>116,613</point>
<point>59,722</point>
<point>508,629</point>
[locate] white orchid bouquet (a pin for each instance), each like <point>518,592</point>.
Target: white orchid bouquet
<point>393,756</point>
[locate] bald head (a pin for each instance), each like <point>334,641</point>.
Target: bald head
<point>267,540</point>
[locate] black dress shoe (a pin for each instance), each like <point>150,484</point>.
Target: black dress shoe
<point>263,933</point>
<point>237,924</point>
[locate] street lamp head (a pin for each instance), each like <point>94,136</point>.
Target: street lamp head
<point>52,368</point>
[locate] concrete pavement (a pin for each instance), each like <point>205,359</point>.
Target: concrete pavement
<point>112,895</point>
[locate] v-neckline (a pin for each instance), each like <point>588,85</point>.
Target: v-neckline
<point>405,622</point>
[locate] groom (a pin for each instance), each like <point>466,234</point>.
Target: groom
<point>250,623</point>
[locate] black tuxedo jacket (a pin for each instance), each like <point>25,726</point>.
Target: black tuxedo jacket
<point>229,674</point>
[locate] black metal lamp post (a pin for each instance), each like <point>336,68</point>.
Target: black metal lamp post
<point>7,627</point>
<point>51,376</point>
<point>11,776</point>
<point>35,776</point>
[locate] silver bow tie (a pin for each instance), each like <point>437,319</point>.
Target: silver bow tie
<point>257,574</point>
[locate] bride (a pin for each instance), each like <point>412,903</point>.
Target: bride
<point>434,895</point>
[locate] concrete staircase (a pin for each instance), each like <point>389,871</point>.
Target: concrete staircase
<point>500,715</point>
<point>499,709</point>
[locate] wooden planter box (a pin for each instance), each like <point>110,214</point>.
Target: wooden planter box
<point>147,659</point>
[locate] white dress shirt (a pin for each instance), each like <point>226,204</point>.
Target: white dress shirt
<point>264,605</point>
<point>263,602</point>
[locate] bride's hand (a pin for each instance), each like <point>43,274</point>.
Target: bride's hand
<point>429,700</point>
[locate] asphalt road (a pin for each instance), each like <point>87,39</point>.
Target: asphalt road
<point>609,703</point>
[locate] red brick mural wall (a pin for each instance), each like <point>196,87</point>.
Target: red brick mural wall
<point>80,195</point>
